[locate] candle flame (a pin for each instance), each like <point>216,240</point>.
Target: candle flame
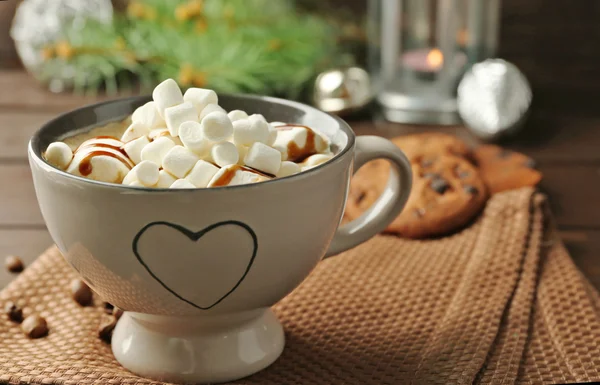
<point>435,58</point>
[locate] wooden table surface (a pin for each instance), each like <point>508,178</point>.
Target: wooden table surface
<point>563,135</point>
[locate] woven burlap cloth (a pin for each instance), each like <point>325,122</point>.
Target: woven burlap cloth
<point>500,302</point>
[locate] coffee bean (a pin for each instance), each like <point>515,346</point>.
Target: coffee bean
<point>463,174</point>
<point>108,308</point>
<point>117,313</point>
<point>440,185</point>
<point>13,312</point>
<point>107,325</point>
<point>82,294</point>
<point>471,190</point>
<point>530,163</point>
<point>14,264</point>
<point>34,326</point>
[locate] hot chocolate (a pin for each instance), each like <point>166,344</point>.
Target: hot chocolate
<point>189,141</point>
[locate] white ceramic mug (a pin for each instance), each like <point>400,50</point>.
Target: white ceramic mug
<point>196,270</point>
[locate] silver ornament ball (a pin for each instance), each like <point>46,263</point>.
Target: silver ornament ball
<point>342,90</point>
<point>494,98</point>
<point>38,23</point>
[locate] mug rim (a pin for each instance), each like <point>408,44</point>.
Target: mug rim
<point>342,125</point>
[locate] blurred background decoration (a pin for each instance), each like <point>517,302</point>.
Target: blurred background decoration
<point>258,46</point>
<point>420,49</point>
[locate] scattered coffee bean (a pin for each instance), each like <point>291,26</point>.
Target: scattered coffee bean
<point>440,185</point>
<point>34,326</point>
<point>14,264</point>
<point>117,313</point>
<point>13,312</point>
<point>108,308</point>
<point>107,325</point>
<point>463,174</point>
<point>431,175</point>
<point>530,163</point>
<point>471,189</point>
<point>82,294</point>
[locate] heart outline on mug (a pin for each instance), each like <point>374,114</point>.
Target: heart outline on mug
<point>195,236</point>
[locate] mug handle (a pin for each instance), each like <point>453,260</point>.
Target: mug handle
<point>388,205</point>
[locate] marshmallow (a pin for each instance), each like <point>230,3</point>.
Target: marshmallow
<point>216,126</point>
<point>294,143</point>
<point>156,150</point>
<point>242,151</point>
<point>263,158</point>
<point>247,132</point>
<point>165,180</point>
<point>179,161</point>
<point>277,124</point>
<point>59,155</point>
<point>314,161</point>
<point>146,173</point>
<point>235,175</point>
<point>208,109</point>
<point>176,115</point>
<point>255,117</point>
<point>134,148</point>
<point>100,163</point>
<point>200,98</point>
<point>287,169</point>
<point>166,94</point>
<point>134,131</point>
<point>148,116</point>
<point>224,154</point>
<point>158,132</point>
<point>135,183</point>
<point>190,134</point>
<point>237,115</point>
<point>182,183</point>
<point>272,135</point>
<point>202,173</point>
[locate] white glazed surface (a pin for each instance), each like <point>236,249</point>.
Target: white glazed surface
<point>196,270</point>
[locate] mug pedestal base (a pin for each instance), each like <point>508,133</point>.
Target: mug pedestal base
<point>198,349</point>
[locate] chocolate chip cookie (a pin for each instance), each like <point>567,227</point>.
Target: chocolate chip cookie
<point>421,146</point>
<point>504,170</point>
<point>447,194</point>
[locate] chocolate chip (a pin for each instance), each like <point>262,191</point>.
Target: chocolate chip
<point>530,163</point>
<point>504,154</point>
<point>471,189</point>
<point>13,312</point>
<point>419,213</point>
<point>431,175</point>
<point>463,174</point>
<point>34,326</point>
<point>440,185</point>
<point>117,313</point>
<point>361,197</point>
<point>427,163</point>
<point>108,308</point>
<point>107,325</point>
<point>14,264</point>
<point>82,294</point>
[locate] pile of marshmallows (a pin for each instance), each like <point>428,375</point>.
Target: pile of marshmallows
<point>189,141</point>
